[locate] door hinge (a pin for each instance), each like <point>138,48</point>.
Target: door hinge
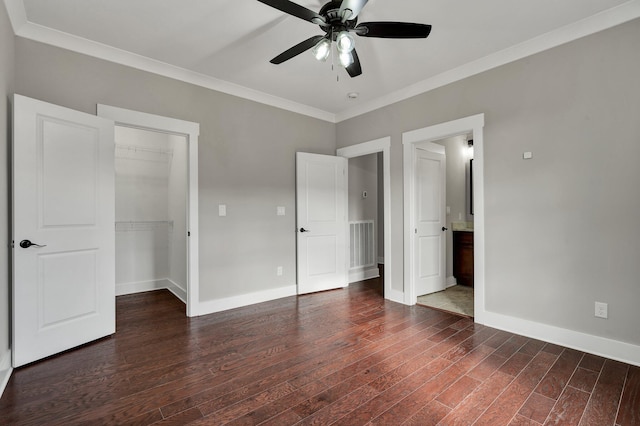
<point>415,231</point>
<point>188,233</point>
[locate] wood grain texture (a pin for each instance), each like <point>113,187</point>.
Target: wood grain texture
<point>343,357</point>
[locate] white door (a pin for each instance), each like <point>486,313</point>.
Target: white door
<point>63,204</point>
<point>321,222</point>
<point>429,239</point>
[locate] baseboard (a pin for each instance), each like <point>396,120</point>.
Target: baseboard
<point>395,296</point>
<point>601,346</point>
<point>177,290</point>
<point>451,281</point>
<point>5,370</point>
<point>360,274</point>
<point>219,305</point>
<point>140,286</point>
<point>381,260</point>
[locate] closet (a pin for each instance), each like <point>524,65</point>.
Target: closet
<point>151,211</point>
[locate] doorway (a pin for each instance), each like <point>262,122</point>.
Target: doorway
<point>382,146</point>
<point>456,293</point>
<point>473,126</point>
<point>170,131</point>
<point>150,211</point>
<point>365,218</point>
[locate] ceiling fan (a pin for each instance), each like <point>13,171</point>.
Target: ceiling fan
<point>338,19</point>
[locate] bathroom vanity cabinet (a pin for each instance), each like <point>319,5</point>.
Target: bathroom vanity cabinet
<point>463,257</point>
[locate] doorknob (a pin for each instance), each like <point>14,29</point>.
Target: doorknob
<point>444,229</point>
<point>27,244</point>
<point>304,230</point>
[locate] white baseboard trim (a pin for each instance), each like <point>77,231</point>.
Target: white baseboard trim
<point>5,370</point>
<point>451,281</point>
<point>219,305</point>
<point>381,260</point>
<point>395,296</point>
<point>361,274</point>
<point>140,286</point>
<point>178,291</point>
<point>152,285</point>
<point>601,346</point>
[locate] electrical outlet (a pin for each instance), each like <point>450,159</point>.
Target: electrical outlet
<point>602,310</point>
<point>279,271</point>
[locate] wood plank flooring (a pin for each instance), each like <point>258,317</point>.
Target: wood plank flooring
<point>345,357</point>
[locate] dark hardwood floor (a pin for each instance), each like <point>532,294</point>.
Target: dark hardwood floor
<point>343,357</point>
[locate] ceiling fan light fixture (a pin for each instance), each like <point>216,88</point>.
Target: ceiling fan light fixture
<point>346,59</point>
<point>322,49</point>
<point>345,42</point>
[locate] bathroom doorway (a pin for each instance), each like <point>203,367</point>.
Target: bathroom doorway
<point>458,295</point>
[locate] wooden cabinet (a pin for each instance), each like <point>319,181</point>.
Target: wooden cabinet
<point>463,257</point>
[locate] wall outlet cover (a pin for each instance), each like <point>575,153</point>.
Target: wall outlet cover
<point>601,310</point>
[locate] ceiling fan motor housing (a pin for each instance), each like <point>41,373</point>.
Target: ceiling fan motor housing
<point>334,25</point>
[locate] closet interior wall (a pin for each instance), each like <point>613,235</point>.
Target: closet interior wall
<point>151,228</point>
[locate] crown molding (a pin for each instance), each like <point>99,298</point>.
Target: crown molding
<point>17,14</point>
<point>593,24</point>
<point>28,30</point>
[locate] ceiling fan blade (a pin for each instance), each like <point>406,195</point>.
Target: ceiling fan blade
<point>349,9</point>
<point>297,49</point>
<point>296,10</point>
<point>393,30</point>
<point>354,69</point>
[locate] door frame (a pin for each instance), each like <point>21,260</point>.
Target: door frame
<point>382,145</point>
<point>410,140</point>
<point>144,121</point>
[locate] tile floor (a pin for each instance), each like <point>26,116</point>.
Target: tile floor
<point>457,299</point>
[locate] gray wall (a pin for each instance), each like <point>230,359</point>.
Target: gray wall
<point>455,149</point>
<point>562,229</point>
<point>246,158</point>
<point>363,177</point>
<point>6,89</point>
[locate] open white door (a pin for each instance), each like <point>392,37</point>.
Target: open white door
<point>430,217</point>
<point>321,222</point>
<point>63,229</point>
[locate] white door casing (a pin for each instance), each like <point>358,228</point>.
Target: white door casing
<point>472,125</point>
<point>321,222</point>
<point>430,219</point>
<point>145,121</point>
<point>63,199</point>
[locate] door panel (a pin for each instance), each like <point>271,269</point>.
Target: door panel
<point>64,274</point>
<point>63,199</point>
<point>321,212</point>
<point>68,154</point>
<point>429,271</point>
<point>429,257</point>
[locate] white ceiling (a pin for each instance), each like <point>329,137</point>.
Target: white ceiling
<point>228,43</point>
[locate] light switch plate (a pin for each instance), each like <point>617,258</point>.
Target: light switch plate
<point>280,211</point>
<point>602,310</point>
<point>527,155</point>
<point>222,209</point>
